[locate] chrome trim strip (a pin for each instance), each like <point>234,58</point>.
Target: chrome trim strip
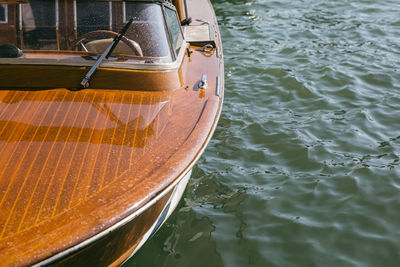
<point>57,25</point>
<point>20,17</point>
<point>75,18</point>
<point>124,12</point>
<point>110,14</point>
<point>218,87</point>
<point>20,35</point>
<point>57,14</point>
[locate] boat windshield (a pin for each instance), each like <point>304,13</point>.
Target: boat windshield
<point>69,31</point>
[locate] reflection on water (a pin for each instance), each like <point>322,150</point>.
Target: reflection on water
<point>304,168</point>
<point>188,230</point>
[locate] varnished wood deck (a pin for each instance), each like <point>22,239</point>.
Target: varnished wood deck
<point>74,163</point>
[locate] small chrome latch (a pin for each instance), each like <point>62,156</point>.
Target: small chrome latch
<point>203,82</point>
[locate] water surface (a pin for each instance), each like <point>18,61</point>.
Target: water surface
<point>303,169</point>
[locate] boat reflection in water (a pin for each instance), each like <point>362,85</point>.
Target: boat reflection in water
<point>105,106</point>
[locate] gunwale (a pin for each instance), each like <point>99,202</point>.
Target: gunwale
<point>70,77</point>
<point>124,204</point>
<point>68,58</point>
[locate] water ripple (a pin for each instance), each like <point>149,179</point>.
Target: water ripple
<point>304,167</point>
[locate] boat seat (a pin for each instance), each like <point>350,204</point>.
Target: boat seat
<point>10,51</point>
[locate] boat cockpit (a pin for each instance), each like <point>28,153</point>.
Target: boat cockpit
<point>76,32</point>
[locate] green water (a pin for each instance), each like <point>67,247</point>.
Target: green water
<point>303,169</point>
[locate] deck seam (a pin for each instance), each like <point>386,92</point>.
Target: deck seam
<point>85,196</point>
<point>110,147</point>
<point>41,172</point>
<point>55,171</point>
<point>17,169</point>
<point>71,158</point>
<point>123,139</point>
<point>86,151</point>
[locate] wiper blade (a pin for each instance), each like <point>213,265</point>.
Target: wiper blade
<point>85,81</point>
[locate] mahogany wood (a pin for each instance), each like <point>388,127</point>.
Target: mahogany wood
<point>180,7</point>
<point>9,32</point>
<point>39,77</point>
<point>75,163</point>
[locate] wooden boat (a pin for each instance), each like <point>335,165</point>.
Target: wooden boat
<point>105,106</point>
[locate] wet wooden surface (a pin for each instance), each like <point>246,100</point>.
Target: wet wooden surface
<point>76,162</point>
<point>36,77</point>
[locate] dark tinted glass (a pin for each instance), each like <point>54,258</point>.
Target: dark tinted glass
<point>39,24</point>
<point>92,16</point>
<point>142,12</point>
<point>3,13</point>
<point>148,29</point>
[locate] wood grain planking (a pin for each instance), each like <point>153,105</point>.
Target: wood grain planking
<point>96,176</point>
<point>157,119</point>
<point>135,135</point>
<point>162,118</point>
<point>149,129</point>
<point>19,175</point>
<point>111,161</point>
<point>47,172</point>
<point>18,162</point>
<point>123,160</point>
<point>73,169</point>
<point>49,196</point>
<point>6,149</point>
<point>42,158</point>
<point>83,178</point>
<point>8,113</point>
<point>80,193</point>
<point>12,136</point>
<point>146,130</point>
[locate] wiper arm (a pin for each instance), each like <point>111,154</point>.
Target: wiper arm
<point>85,81</point>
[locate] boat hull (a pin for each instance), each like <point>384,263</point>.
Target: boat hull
<point>90,175</point>
<point>120,242</point>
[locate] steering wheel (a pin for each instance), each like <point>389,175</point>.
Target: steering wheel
<point>134,46</point>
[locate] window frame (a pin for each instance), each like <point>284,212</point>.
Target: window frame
<point>5,21</point>
<point>163,5</point>
<point>21,27</point>
<point>171,45</point>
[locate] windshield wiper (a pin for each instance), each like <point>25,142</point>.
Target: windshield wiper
<point>85,81</point>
